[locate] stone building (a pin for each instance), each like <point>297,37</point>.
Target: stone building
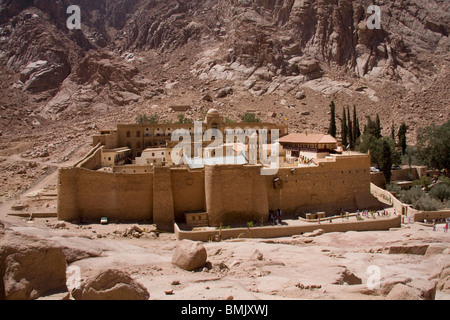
<point>212,194</point>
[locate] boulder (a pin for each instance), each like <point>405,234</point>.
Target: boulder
<point>391,283</point>
<point>414,249</point>
<point>426,289</point>
<point>222,93</point>
<point>111,285</point>
<point>189,255</point>
<point>403,292</point>
<point>257,255</point>
<point>300,95</point>
<point>346,277</point>
<point>30,267</point>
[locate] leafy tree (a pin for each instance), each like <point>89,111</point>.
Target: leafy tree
<point>182,119</point>
<point>332,129</point>
<point>249,117</point>
<point>385,160</point>
<point>372,128</point>
<point>369,143</point>
<point>427,203</point>
<point>144,119</point>
<point>412,195</point>
<point>433,146</point>
<point>440,191</point>
<point>423,182</point>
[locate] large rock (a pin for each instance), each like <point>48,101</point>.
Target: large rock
<point>403,292</point>
<point>391,283</point>
<point>43,75</point>
<point>414,249</point>
<point>346,277</point>
<point>111,285</point>
<point>30,267</point>
<point>189,255</point>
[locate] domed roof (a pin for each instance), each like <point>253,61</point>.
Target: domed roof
<point>213,112</point>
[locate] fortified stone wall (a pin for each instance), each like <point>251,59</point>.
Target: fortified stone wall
<point>430,215</point>
<point>188,189</point>
<point>91,195</point>
<point>235,194</point>
<point>328,187</point>
<point>229,194</point>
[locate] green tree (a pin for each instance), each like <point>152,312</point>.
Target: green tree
<point>144,119</point>
<point>370,144</point>
<point>182,119</point>
<point>350,130</point>
<point>433,146</point>
<point>332,129</point>
<point>402,137</point>
<point>344,128</point>
<point>372,128</point>
<point>355,125</point>
<point>249,117</point>
<point>440,191</point>
<point>378,123</point>
<point>385,160</point>
<point>393,131</point>
<point>424,182</point>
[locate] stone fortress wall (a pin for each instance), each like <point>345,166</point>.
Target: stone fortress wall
<point>230,194</point>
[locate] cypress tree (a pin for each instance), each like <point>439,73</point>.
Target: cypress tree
<point>393,131</point>
<point>350,130</point>
<point>332,128</point>
<point>344,129</point>
<point>402,137</point>
<point>378,133</point>
<point>358,130</point>
<point>386,160</point>
<point>355,126</point>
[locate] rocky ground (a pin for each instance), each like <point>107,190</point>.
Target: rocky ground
<point>332,266</point>
<point>412,261</point>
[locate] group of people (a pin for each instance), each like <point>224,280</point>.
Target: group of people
<point>446,223</point>
<point>275,216</point>
<point>366,213</point>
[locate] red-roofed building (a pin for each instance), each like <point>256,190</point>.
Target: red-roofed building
<point>305,147</point>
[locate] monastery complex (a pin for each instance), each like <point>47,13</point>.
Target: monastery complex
<point>138,173</point>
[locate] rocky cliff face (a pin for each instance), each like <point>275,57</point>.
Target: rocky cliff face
<point>131,51</point>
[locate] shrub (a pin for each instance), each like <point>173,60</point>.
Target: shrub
<point>144,119</point>
<point>412,195</point>
<point>249,117</point>
<point>440,191</point>
<point>426,203</point>
<point>392,187</point>
<point>423,182</point>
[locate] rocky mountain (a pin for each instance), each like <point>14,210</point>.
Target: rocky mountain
<point>282,57</point>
